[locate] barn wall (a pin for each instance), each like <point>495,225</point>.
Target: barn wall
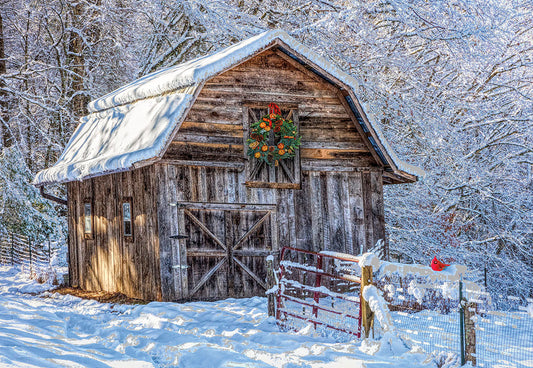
<point>339,205</point>
<point>109,262</point>
<point>338,211</point>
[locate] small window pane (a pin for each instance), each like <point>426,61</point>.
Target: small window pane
<point>88,218</point>
<point>126,215</point>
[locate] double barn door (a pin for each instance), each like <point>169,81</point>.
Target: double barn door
<point>223,248</point>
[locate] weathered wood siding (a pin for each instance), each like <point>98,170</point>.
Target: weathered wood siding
<point>339,205</point>
<point>338,211</point>
<point>213,130</point>
<point>108,261</point>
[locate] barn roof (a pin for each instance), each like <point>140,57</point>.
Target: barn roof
<point>133,125</point>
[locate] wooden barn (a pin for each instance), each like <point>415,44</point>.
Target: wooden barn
<point>165,201</point>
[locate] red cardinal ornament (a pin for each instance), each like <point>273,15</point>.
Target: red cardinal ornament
<point>437,265</point>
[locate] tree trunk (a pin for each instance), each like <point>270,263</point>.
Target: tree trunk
<point>5,140</point>
<point>76,61</point>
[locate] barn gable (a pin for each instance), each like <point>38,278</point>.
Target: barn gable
<point>212,133</point>
<point>136,124</point>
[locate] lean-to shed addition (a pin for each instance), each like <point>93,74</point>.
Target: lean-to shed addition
<point>165,204</point>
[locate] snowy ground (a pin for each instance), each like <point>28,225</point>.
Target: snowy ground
<point>50,330</point>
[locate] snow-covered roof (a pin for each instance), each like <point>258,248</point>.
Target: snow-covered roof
<point>114,139</point>
<point>135,123</point>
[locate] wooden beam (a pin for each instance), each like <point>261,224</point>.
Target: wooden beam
<point>262,184</point>
<point>251,231</point>
<point>206,277</point>
<point>249,272</point>
<point>366,312</point>
<point>261,105</point>
<point>199,252</point>
<point>208,145</point>
<point>395,178</point>
<point>201,127</point>
<point>193,252</point>
<point>326,153</point>
<point>216,206</point>
<point>204,228</point>
<point>224,164</point>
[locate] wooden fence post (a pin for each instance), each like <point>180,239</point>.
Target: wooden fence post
<point>470,310</point>
<point>12,251</point>
<point>31,266</point>
<point>49,252</point>
<point>461,322</point>
<point>366,313</point>
<point>271,282</point>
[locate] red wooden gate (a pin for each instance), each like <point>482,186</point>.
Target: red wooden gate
<point>320,290</point>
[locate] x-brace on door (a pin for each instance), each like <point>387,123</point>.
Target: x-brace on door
<point>225,246</point>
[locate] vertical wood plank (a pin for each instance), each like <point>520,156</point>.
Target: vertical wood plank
<point>202,185</point>
<point>367,205</point>
<point>326,244</point>
<point>291,216</point>
<point>182,188</point>
<point>102,256</point>
<point>296,160</point>
<point>245,136</point>
<point>357,211</point>
<point>167,226</point>
<point>174,261</point>
<point>315,195</point>
<point>116,232</point>
<point>283,220</point>
<point>378,212</point>
<point>73,244</point>
<point>347,214</point>
<point>335,213</point>
<point>89,257</point>
<point>302,215</point>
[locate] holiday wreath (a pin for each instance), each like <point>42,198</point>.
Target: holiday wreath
<point>286,139</point>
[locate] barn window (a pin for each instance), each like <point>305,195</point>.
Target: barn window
<point>286,174</point>
<point>87,220</point>
<point>127,219</point>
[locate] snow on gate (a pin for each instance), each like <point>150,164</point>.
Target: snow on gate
<point>320,291</point>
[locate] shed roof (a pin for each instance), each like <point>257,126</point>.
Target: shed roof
<point>133,125</point>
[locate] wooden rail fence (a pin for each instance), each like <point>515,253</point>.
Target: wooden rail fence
<point>17,249</point>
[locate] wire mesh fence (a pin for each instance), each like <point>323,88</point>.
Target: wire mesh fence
<point>425,312</point>
<point>502,330</point>
<point>460,318</point>
<point>17,249</point>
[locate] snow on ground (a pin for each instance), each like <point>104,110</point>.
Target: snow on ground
<point>50,330</point>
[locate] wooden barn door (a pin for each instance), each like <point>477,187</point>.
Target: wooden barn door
<point>225,249</point>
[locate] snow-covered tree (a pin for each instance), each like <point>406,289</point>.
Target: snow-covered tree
<point>450,82</point>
